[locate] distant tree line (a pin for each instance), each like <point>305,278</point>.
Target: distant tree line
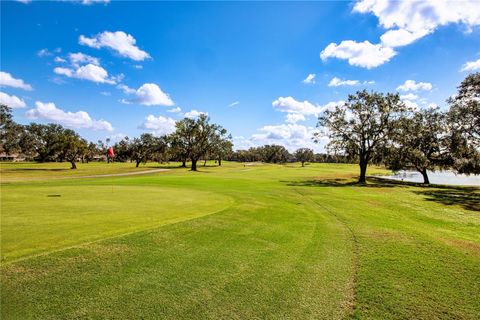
<point>372,127</point>
<point>193,139</point>
<point>279,154</point>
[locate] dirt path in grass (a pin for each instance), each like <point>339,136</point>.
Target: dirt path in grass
<point>134,173</point>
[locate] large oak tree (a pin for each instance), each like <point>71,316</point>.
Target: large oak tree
<point>418,142</point>
<point>361,127</point>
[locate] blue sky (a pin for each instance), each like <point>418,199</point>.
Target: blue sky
<point>110,69</point>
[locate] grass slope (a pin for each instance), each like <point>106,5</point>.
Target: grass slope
<point>283,242</point>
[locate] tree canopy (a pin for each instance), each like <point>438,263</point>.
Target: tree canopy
<point>361,127</point>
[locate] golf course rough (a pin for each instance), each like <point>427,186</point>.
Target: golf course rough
<point>267,241</point>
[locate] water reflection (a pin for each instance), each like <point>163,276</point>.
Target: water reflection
<point>437,177</point>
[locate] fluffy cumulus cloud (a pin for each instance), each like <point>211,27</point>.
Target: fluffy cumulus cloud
<point>292,136</point>
<point>7,80</point>
<point>404,22</point>
<point>412,85</point>
<point>305,108</point>
<point>409,96</point>
<point>124,44</point>
<point>159,125</point>
<point>408,21</point>
<point>294,117</point>
<point>361,54</point>
<point>290,105</point>
<point>194,113</point>
<point>80,119</point>
<point>89,72</point>
<point>400,37</point>
<point>11,101</point>
<point>412,105</point>
<point>175,110</point>
<point>77,59</point>
<point>310,79</point>
<point>471,66</point>
<point>337,82</point>
<point>149,94</point>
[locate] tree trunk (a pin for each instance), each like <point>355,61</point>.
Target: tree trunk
<point>205,163</point>
<point>184,164</point>
<point>194,165</point>
<point>137,163</point>
<point>425,176</point>
<point>303,163</point>
<point>220,162</point>
<point>363,172</point>
<point>74,166</point>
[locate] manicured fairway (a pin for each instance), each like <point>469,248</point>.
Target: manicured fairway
<point>28,171</point>
<point>261,241</point>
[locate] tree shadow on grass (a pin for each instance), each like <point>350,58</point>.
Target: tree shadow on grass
<point>341,182</point>
<point>465,197</point>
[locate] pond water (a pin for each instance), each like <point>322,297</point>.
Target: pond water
<point>437,177</point>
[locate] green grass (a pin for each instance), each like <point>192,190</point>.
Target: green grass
<point>262,241</point>
<point>26,171</point>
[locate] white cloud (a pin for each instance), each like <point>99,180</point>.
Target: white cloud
<point>421,17</point>
<point>138,66</point>
<point>89,2</point>
<point>6,79</point>
<point>409,96</point>
<point>310,79</point>
<point>24,1</point>
<point>59,60</point>
<point>400,37</point>
<point>291,136</point>
<point>305,108</point>
<point>159,125</point>
<point>11,101</point>
<point>89,72</point>
<point>149,94</point>
<point>412,85</point>
<point>337,82</point>
<point>233,104</point>
<point>294,117</point>
<point>411,104</point>
<point>405,22</point>
<point>242,143</point>
<point>119,41</point>
<point>194,113</point>
<point>44,52</point>
<point>77,59</point>
<point>175,110</point>
<point>361,54</point>
<point>105,93</point>
<point>80,119</point>
<point>471,66</point>
<point>290,105</point>
<point>126,89</point>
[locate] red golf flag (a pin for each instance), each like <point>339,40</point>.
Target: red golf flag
<point>111,154</point>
